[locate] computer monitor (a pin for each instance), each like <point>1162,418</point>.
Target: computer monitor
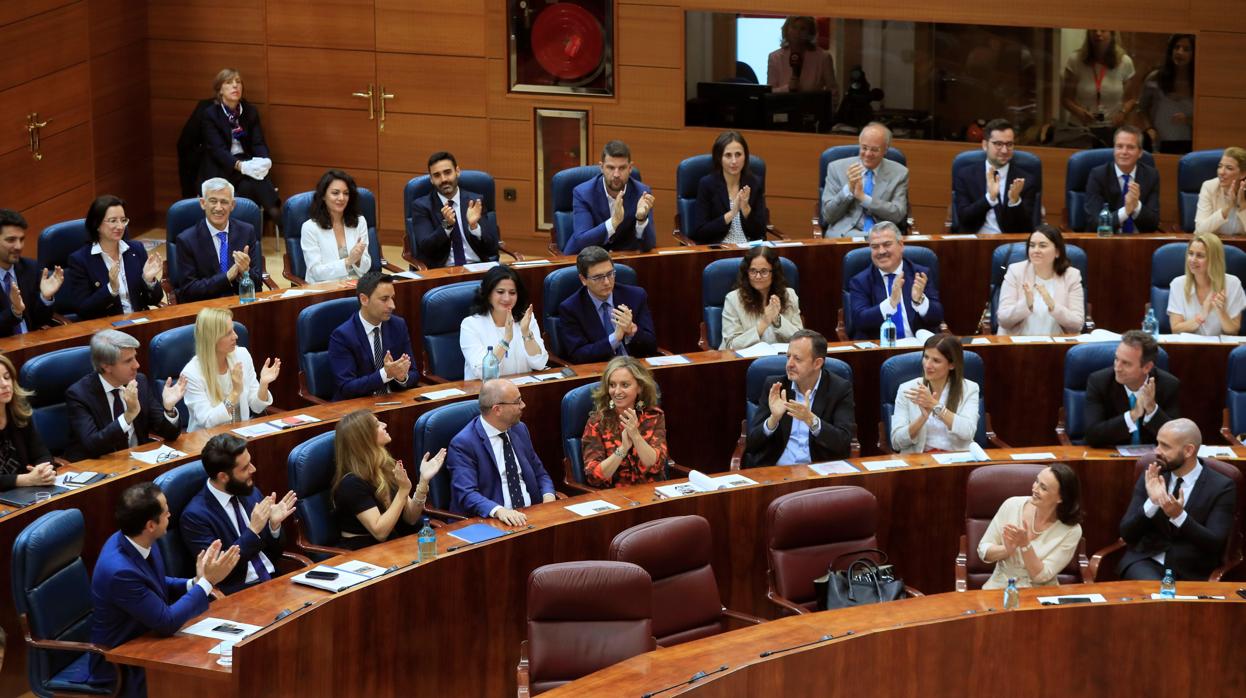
<point>729,104</point>
<point>798,111</point>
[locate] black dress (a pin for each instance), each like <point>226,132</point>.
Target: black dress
<point>352,497</point>
<point>19,447</point>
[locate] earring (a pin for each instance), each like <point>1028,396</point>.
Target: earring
<point>612,403</point>
<point>640,405</point>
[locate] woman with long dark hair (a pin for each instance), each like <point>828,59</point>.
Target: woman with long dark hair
<point>731,199</point>
<point>938,410</point>
<point>762,308</point>
<point>1032,538</point>
<point>499,310</point>
<point>1167,102</point>
<point>335,238</point>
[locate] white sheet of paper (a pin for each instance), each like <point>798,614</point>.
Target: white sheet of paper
<point>953,457</point>
<point>1035,455</point>
<point>675,360</point>
<point>1135,451</point>
<point>254,430</point>
<point>548,376</point>
<point>730,481</point>
<point>480,266</point>
<point>365,569</point>
<point>1206,451</point>
<point>438,394</point>
<point>204,629</point>
<point>408,275</point>
<point>530,263</point>
<point>865,345</point>
<point>677,250</point>
<point>980,340</point>
<point>762,349</point>
<point>84,475</point>
<point>296,292</point>
<point>909,342</point>
<point>957,236</point>
<point>596,506</point>
<point>1178,597</point>
<point>840,347</point>
<point>788,243</point>
<point>524,380</point>
<point>1031,339</point>
<point>876,465</point>
<point>834,467</point>
<point>1099,336</point>
<point>677,490</point>
<point>158,455</point>
<point>1094,598</point>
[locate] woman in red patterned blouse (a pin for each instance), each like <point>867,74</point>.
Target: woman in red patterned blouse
<point>624,441</point>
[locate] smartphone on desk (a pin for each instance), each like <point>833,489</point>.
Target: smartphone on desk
<point>227,628</point>
<point>322,575</point>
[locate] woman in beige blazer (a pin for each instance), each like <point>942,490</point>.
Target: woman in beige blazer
<point>1042,295</point>
<point>1222,201</point>
<point>761,308</point>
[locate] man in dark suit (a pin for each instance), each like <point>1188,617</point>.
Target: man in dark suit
<point>1000,197</point>
<point>21,279</point>
<point>371,352</point>
<point>1129,402</point>
<point>1181,513</point>
<point>892,287</point>
<point>451,225</point>
<point>115,408</point>
<point>604,319</point>
<point>808,416</point>
<point>230,508</point>
<point>494,471</point>
<point>1137,210</point>
<point>612,210</point>
<point>130,592</point>
<point>213,255</point>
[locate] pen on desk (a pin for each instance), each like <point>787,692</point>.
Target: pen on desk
<point>394,402</point>
<point>1211,596</point>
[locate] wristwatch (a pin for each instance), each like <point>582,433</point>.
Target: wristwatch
<point>938,410</point>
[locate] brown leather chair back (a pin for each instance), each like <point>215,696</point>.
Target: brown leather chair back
<point>806,531</point>
<point>584,616</point>
<point>676,554</point>
<point>1232,548</point>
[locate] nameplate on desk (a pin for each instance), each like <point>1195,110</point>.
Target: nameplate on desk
<point>917,237</point>
<point>675,360</point>
<point>876,465</point>
<point>839,347</point>
<point>597,506</point>
<point>980,341</point>
<point>131,321</point>
<point>953,236</point>
<point>1099,336</point>
<point>789,243</point>
<point>1067,599</point>
<point>296,292</point>
<point>1232,339</point>
<point>677,250</point>
<point>438,394</point>
<point>480,266</point>
<point>699,482</point>
<point>1135,451</point>
<point>539,378</point>
<point>1035,455</point>
<point>835,467</point>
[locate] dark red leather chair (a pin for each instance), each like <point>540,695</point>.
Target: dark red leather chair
<point>676,553</point>
<point>985,491</point>
<point>583,616</point>
<point>1233,546</point>
<point>806,531</point>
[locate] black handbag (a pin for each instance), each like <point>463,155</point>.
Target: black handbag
<point>863,582</point>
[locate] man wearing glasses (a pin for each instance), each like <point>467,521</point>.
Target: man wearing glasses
<point>998,196</point>
<point>603,319</point>
<point>862,191</point>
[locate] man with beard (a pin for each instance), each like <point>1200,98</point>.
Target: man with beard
<point>998,196</point>
<point>1181,512</point>
<point>613,209</point>
<point>231,509</point>
<point>20,279</point>
<point>450,225</point>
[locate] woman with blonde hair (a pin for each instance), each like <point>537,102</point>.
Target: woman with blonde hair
<point>1206,300</point>
<point>24,460</point>
<point>1222,200</point>
<point>234,393</point>
<point>624,441</point>
<point>372,498</point>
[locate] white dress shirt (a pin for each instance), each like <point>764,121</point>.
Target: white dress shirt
<point>991,224</point>
<point>469,254</point>
<point>640,225</point>
<point>887,309</point>
<point>1150,509</point>
<point>124,293</point>
<point>223,498</point>
<point>203,413</point>
<point>126,426</point>
<point>499,458</point>
<point>368,330</point>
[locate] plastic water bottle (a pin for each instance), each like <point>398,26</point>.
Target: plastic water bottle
<point>1149,324</point>
<point>1105,223</point>
<point>1012,597</point>
<point>887,333</point>
<point>427,542</point>
<point>490,368</point>
<point>1168,586</point>
<point>246,289</point>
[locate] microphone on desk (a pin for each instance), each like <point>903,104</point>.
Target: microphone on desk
<point>695,678</point>
<point>781,650</point>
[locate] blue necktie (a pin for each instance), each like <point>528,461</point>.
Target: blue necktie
<point>225,263</point>
<point>1128,225</point>
<point>8,288</point>
<point>242,526</point>
<point>898,316</point>
<point>867,221</point>
<point>456,238</point>
<point>608,323</point>
<point>1135,437</point>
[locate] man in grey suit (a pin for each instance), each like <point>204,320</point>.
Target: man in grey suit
<point>859,192</point>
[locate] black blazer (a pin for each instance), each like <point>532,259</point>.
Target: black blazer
<point>38,314</point>
<point>969,196</point>
<point>1107,401</point>
<point>218,139</point>
<point>86,289</point>
<point>432,244</point>
<point>29,450</point>
<point>200,267</point>
<point>1102,187</point>
<point>93,431</point>
<point>1193,550</point>
<point>713,203</point>
<point>832,403</point>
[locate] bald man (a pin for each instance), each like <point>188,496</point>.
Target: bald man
<point>861,191</point>
<point>1181,512</point>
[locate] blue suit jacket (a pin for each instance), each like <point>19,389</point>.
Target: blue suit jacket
<point>86,284</point>
<point>200,267</point>
<point>969,197</point>
<point>38,314</point>
<point>130,599</point>
<point>432,245</point>
<point>866,290</point>
<point>475,485</point>
<point>203,521</point>
<point>93,431</point>
<point>591,209</point>
<point>583,335</point>
<point>354,370</point>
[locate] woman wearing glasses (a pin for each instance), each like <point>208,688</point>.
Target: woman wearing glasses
<point>761,308</point>
<point>110,276</point>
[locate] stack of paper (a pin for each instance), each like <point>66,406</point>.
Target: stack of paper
<point>348,574</point>
<point>700,482</point>
<point>762,349</point>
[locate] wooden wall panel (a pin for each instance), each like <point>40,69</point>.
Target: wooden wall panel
<point>495,32</point>
<point>295,179</point>
<point>321,137</point>
<point>1220,73</point>
<point>65,165</point>
<point>422,84</point>
<point>346,24</point>
<point>116,23</point>
<point>511,148</point>
<point>409,139</point>
<point>117,142</point>
<point>219,21</point>
<point>133,184</point>
<point>1218,122</point>
<point>1227,15</point>
<point>113,87</point>
<point>185,69</point>
<point>56,97</point>
<point>324,78</point>
<point>651,97</point>
<point>166,187</point>
<point>66,206</point>
<point>517,219</point>
<point>390,218</point>
<point>437,28</point>
<point>43,44</point>
<point>17,10</point>
<point>500,103</point>
<point>651,36</point>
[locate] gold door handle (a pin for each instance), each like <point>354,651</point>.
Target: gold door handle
<point>384,96</point>
<point>33,125</point>
<point>368,96</point>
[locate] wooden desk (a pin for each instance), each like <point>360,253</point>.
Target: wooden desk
<point>963,645</point>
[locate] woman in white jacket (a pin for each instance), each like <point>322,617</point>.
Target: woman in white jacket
<point>221,383</point>
<point>335,238</point>
<point>937,411</point>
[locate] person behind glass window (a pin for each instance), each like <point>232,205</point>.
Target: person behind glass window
<point>1167,101</point>
<point>799,65</point>
<point>1096,87</point>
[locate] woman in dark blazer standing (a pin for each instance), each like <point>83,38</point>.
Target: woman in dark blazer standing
<point>731,200</point>
<point>110,276</point>
<point>234,146</point>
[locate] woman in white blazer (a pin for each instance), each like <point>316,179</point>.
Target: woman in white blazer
<point>1222,201</point>
<point>938,410</point>
<point>335,238</point>
<point>761,308</point>
<point>1042,295</point>
<point>221,382</point>
<point>499,311</point>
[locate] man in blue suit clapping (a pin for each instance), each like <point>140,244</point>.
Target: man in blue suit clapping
<point>892,287</point>
<point>371,352</point>
<point>612,210</point>
<point>604,319</point>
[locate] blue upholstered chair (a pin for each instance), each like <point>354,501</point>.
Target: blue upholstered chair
<point>858,259</point>
<point>179,486</point>
<point>56,243</point>
<point>1235,397</point>
<point>314,326</point>
<point>558,286</point>
<point>1076,175</point>
<point>562,185</point>
<point>897,369</point>
<point>1013,252</point>
<point>717,280</point>
<point>48,376</point>
<point>1168,262</point>
<point>839,152</point>
<point>443,309</point>
<point>52,597</point>
<point>185,214</point>
<point>296,210</point>
<point>1081,361</point>
<point>687,176</point>
<point>1025,159</point>
<point>474,181</point>
<point>171,350</point>
<point>310,468</point>
<point>1192,170</point>
<point>434,430</point>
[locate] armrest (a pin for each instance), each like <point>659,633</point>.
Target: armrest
<point>387,266</point>
<point>815,224</point>
<point>571,483</point>
<point>1088,325</point>
<point>1062,434</point>
<point>774,232</point>
<point>984,321</point>
<point>665,352</point>
<point>785,604</point>
<point>962,566</point>
<point>1224,569</point>
<point>557,361</point>
<point>1225,432</point>
<point>1083,562</point>
<point>409,257</point>
<point>267,280</point>
<point>1092,570</point>
<point>515,255</point>
<point>841,330</point>
<point>683,239</point>
<point>559,495</point>
<point>672,465</point>
<point>521,670</point>
<point>170,297</point>
<point>302,560</point>
<point>321,549</point>
<point>912,593</point>
<point>742,617</point>
<point>552,245</point>
<point>288,273</point>
<point>990,434</point>
<point>306,394</point>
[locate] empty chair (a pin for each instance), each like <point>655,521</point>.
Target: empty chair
<point>1081,361</point>
<point>47,377</point>
<point>558,287</point>
<point>903,367</point>
<point>1168,262</point>
<point>1076,174</point>
<point>179,486</point>
<point>434,430</point>
<point>310,468</point>
<point>857,260</point>
<point>717,280</point>
<point>314,326</point>
<point>583,616</point>
<point>676,552</point>
<point>1234,424</point>
<point>562,185</point>
<point>171,350</point>
<point>1192,170</point>
<point>443,309</point>
<point>296,210</point>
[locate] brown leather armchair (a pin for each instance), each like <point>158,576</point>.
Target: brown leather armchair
<point>806,531</point>
<point>985,491</point>
<point>676,553</point>
<point>583,616</point>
